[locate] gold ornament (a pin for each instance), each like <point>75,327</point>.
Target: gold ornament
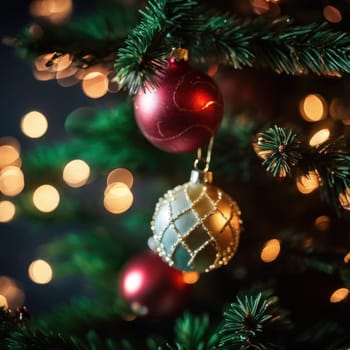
<point>196,226</point>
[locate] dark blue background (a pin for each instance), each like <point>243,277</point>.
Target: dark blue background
<point>21,93</point>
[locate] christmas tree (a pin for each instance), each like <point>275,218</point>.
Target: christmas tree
<point>198,197</point>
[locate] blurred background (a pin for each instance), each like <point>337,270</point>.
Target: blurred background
<point>311,104</point>
<point>22,93</point>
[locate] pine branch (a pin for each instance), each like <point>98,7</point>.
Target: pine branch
<point>82,314</point>
<point>103,140</point>
<point>7,325</point>
<point>142,61</point>
<point>283,154</point>
<point>89,40</point>
<point>255,322</point>
<point>193,332</point>
<point>93,255</point>
<point>27,338</point>
<point>281,45</point>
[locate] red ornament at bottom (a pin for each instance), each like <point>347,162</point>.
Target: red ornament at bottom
<point>153,287</point>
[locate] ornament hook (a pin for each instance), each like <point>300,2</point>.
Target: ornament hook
<point>201,161</point>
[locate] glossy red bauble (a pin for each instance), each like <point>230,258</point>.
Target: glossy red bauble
<point>152,287</point>
<point>183,112</point>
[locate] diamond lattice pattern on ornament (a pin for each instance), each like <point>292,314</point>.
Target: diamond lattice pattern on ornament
<point>196,227</point>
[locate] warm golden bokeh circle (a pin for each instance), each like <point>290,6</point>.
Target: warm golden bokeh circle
<point>76,173</point>
<point>34,124</point>
<point>46,198</point>
<point>40,272</point>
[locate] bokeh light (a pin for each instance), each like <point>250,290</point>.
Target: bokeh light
<point>322,223</point>
<point>43,76</point>
<point>95,84</point>
<point>7,211</point>
<point>11,181</point>
<point>319,137</point>
<point>11,291</point>
<point>313,108</point>
<point>46,198</point>
<point>66,77</point>
<point>332,14</point>
<point>61,62</point>
<point>339,295</point>
<point>213,69</point>
<point>3,302</point>
<point>118,198</point>
<point>190,277</point>
<point>55,11</point>
<point>308,183</point>
<point>76,173</point>
<point>266,8</point>
<point>40,272</point>
<point>41,62</point>
<point>344,199</point>
<point>347,258</point>
<point>120,175</point>
<point>271,251</point>
<point>34,124</point>
<point>9,151</point>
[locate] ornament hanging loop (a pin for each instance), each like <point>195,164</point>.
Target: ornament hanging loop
<point>202,164</point>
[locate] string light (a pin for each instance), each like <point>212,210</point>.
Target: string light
<point>62,62</point>
<point>339,295</point>
<point>11,181</point>
<point>95,84</point>
<point>3,302</point>
<point>271,250</point>
<point>213,69</point>
<point>40,272</point>
<point>319,137</point>
<point>11,291</point>
<point>43,76</point>
<point>313,108</point>
<point>344,199</point>
<point>76,173</point>
<point>190,277</point>
<point>120,175</point>
<point>118,198</point>
<point>55,11</point>
<point>46,198</point>
<point>332,14</point>
<point>309,183</point>
<point>322,222</point>
<point>34,124</point>
<point>7,211</point>
<point>347,258</point>
<point>9,151</point>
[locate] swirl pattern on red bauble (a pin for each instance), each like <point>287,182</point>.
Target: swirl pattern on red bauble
<point>183,112</point>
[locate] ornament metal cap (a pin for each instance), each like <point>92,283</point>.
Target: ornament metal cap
<point>201,177</point>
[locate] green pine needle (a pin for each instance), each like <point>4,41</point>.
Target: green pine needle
<point>282,152</point>
<point>279,149</point>
<point>192,332</point>
<point>27,338</point>
<point>143,59</point>
<point>89,40</point>
<point>253,322</point>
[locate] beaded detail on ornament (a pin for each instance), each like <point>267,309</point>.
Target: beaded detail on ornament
<point>196,227</point>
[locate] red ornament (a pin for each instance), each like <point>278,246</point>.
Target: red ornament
<point>153,287</point>
<point>183,112</point>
